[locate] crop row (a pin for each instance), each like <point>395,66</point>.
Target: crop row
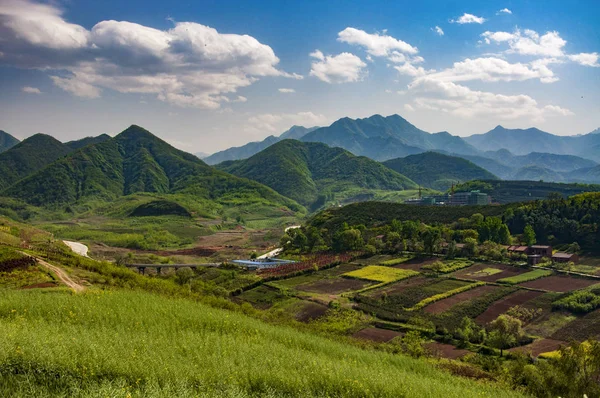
<point>526,277</point>
<point>441,296</point>
<point>317,261</point>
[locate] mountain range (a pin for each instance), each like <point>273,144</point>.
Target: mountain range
<point>308,172</point>
<point>132,162</point>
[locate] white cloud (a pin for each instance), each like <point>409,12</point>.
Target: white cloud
<point>438,30</point>
<point>409,107</point>
<point>341,68</point>
<point>586,59</point>
<point>287,90</point>
<point>190,65</point>
<point>461,101</point>
<point>410,70</point>
<point>240,98</point>
<point>278,122</point>
<point>31,90</point>
<point>529,42</point>
<point>468,18</point>
<point>378,45</point>
<point>504,11</point>
<point>492,69</point>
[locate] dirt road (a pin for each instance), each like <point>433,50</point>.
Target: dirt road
<point>77,247</point>
<point>60,274</point>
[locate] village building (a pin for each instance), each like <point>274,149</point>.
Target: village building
<point>560,257</point>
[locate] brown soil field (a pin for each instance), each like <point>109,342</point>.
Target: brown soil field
<point>444,305</point>
<point>310,311</point>
<point>334,286</point>
<point>398,287</point>
<point>416,264</point>
<point>376,334</point>
<point>560,283</point>
<point>539,347</point>
<point>587,326</point>
<point>503,305</point>
<point>507,271</point>
<point>448,351</point>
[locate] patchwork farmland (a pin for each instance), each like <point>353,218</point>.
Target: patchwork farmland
<point>432,295</point>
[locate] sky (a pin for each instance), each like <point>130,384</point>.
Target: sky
<point>208,75</point>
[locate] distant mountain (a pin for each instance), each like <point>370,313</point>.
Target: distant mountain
<point>523,142</point>
<point>245,151</point>
<point>7,141</point>
<point>137,161</point>
<point>382,138</point>
<point>537,173</point>
<point>309,171</point>
<point>29,156</point>
<point>77,144</point>
<point>202,155</point>
<point>554,162</point>
<point>438,171</point>
<point>587,175</point>
<point>493,166</point>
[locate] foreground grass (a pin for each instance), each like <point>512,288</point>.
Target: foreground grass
<point>125,343</point>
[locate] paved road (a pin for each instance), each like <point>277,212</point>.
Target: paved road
<point>276,252</point>
<point>77,247</point>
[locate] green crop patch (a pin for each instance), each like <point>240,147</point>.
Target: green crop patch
<point>485,272</point>
<point>395,261</point>
<point>445,267</point>
<point>526,277</point>
<point>381,274</point>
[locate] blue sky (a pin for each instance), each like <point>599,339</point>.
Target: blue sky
<point>206,75</point>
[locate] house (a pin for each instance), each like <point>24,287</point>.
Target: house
<point>542,250</point>
<point>518,249</point>
<point>560,257</point>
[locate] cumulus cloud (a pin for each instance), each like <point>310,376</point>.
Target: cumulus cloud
<point>287,90</point>
<point>586,59</point>
<point>504,11</point>
<point>410,70</point>
<point>190,65</point>
<point>378,45</point>
<point>461,101</point>
<point>341,68</point>
<point>438,30</point>
<point>278,122</point>
<point>468,18</point>
<point>492,69</point>
<point>529,42</point>
<point>31,90</point>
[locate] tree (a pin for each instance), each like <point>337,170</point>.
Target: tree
<point>504,235</point>
<point>471,248</point>
<point>505,331</point>
<point>184,275</point>
<point>469,332</point>
<point>350,239</point>
<point>413,344</point>
<point>431,239</point>
<point>529,235</point>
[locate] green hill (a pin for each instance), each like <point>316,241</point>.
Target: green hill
<point>7,141</point>
<point>525,191</point>
<point>137,161</point>
<point>304,171</point>
<point>77,144</point>
<point>438,171</point>
<point>537,173</point>
<point>29,156</point>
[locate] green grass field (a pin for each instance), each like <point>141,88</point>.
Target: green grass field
<point>526,277</point>
<point>124,344</point>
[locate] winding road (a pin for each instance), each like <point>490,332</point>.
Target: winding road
<point>60,274</point>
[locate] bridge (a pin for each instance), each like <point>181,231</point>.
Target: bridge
<point>158,267</point>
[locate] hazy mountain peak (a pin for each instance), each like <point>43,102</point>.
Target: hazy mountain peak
<point>7,141</point>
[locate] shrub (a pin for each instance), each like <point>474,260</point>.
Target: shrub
<point>580,302</point>
<point>446,267</point>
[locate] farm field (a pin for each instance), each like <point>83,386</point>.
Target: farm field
<point>560,283</point>
<point>381,274</point>
<point>489,272</point>
<point>520,297</point>
<point>540,346</point>
<point>444,305</point>
<point>526,277</point>
<point>377,334</point>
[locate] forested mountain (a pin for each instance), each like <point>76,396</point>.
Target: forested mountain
<point>383,138</point>
<point>537,173</point>
<point>136,161</point>
<point>29,156</point>
<point>493,166</point>
<point>523,142</point>
<point>251,148</point>
<point>7,141</point>
<point>307,171</point>
<point>76,144</point>
<point>438,171</point>
<point>551,161</point>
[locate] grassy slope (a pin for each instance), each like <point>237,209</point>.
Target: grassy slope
<point>302,171</point>
<point>438,171</point>
<point>114,343</point>
<point>29,156</point>
<point>137,161</point>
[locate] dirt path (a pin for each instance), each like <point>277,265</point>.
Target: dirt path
<point>60,274</point>
<point>77,247</point>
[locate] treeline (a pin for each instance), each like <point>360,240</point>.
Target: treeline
<point>560,221</point>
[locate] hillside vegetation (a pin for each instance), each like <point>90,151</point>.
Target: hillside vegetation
<point>307,171</point>
<point>438,171</point>
<point>137,161</point>
<point>29,156</point>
